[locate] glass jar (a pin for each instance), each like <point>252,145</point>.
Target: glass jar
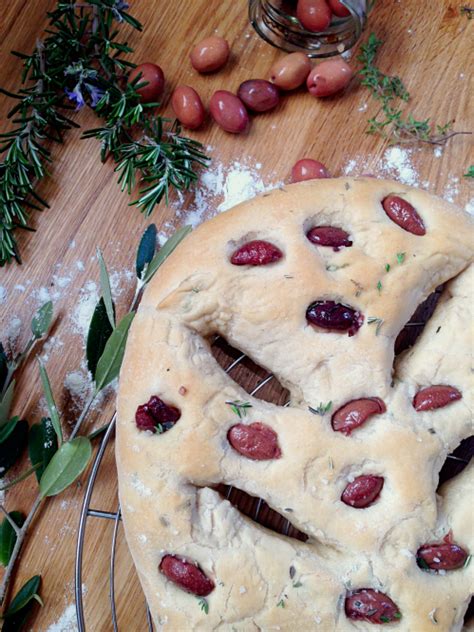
<point>275,21</point>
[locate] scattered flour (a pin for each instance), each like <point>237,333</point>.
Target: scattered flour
<point>470,207</point>
<point>218,189</point>
<point>397,162</point>
<point>49,347</point>
<point>84,308</point>
<point>3,295</point>
<point>12,333</point>
<point>79,385</point>
<point>67,622</point>
<point>451,190</point>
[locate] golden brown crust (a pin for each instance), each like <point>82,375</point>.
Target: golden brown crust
<point>165,480</point>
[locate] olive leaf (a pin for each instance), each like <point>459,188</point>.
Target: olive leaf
<point>6,403</point>
<point>165,251</point>
<point>23,597</point>
<point>100,331</point>
<point>146,249</point>
<point>105,288</point>
<point>7,428</point>
<point>41,321</point>
<point>110,361</point>
<point>3,367</point>
<point>42,445</point>
<point>8,536</point>
<point>66,465</point>
<point>48,393</point>
<point>13,446</point>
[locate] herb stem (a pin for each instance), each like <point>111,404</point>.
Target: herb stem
<point>21,535</point>
<point>83,414</point>
<point>16,364</point>
<point>13,524</point>
<point>20,478</point>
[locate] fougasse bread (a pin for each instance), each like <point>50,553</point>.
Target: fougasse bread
<point>313,282</point>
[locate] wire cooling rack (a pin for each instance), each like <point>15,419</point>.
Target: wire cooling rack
<point>258,382</point>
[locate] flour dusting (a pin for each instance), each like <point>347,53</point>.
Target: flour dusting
<point>67,622</point>
<point>218,189</point>
<point>397,162</point>
<point>83,310</point>
<point>79,385</point>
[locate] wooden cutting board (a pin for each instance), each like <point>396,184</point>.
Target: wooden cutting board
<point>427,44</point>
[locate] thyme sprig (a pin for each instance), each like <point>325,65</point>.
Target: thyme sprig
<point>80,62</point>
<point>390,91</point>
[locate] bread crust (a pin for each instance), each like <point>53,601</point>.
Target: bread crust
<point>165,480</point>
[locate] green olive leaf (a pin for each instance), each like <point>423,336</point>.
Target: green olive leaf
<point>110,361</point>
<point>42,445</point>
<point>100,331</point>
<point>66,465</point>
<point>165,251</point>
<point>105,288</point>
<point>6,403</point>
<point>48,393</point>
<point>8,536</point>
<point>23,597</point>
<point>41,321</point>
<point>7,428</point>
<point>146,249</point>
<point>3,367</point>
<point>13,446</point>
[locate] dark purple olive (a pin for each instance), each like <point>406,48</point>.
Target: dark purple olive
<point>334,316</point>
<point>371,605</point>
<point>258,95</point>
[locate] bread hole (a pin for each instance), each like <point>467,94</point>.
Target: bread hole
<point>258,511</point>
<point>457,460</point>
<point>412,330</point>
<point>469,616</point>
<point>253,378</point>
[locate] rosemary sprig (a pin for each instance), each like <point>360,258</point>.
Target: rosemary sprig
<point>80,63</point>
<point>390,91</point>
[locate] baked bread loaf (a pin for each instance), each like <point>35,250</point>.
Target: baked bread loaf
<point>313,282</point>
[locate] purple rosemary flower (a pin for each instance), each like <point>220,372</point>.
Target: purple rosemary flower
<point>119,6</point>
<point>95,92</point>
<point>75,95</point>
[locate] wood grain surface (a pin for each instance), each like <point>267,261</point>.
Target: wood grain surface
<point>429,44</point>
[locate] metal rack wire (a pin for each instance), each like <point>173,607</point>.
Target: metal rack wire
<point>87,512</point>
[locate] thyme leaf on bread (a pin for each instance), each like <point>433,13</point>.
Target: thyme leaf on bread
<point>322,409</point>
<point>203,604</point>
<point>378,322</point>
<point>239,408</point>
<point>390,91</point>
